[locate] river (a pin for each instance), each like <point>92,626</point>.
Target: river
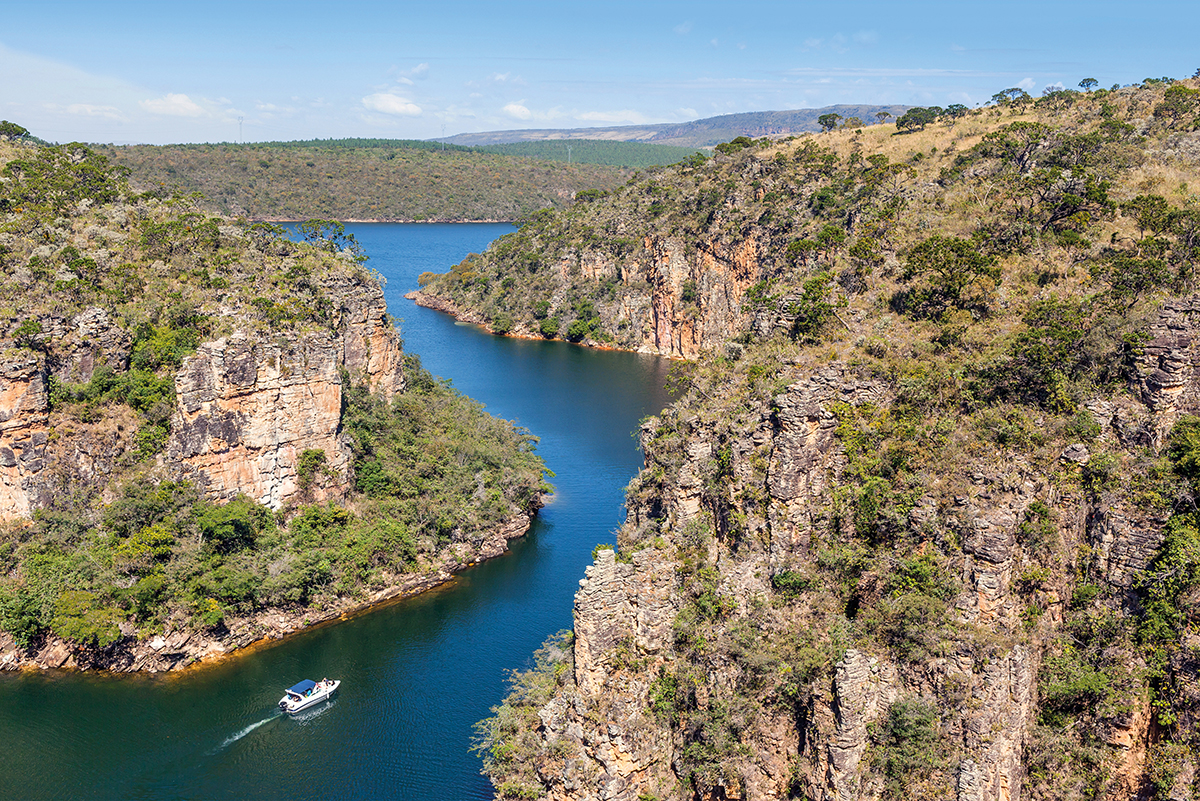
<point>416,675</point>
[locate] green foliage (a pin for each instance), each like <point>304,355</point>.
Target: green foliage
<point>1179,107</point>
<point>233,525</point>
<point>734,145</point>
<point>955,273</point>
<point>12,129</point>
<point>331,236</point>
<point>829,121</point>
<point>917,118</point>
<point>811,312</point>
<point>79,619</point>
<point>1169,578</point>
<point>311,462</point>
<point>443,467</point>
<point>507,741</point>
<point>1068,685</point>
<point>55,179</point>
<point>908,748</point>
<point>27,334</point>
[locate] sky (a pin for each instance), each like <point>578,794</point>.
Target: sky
<point>170,72</point>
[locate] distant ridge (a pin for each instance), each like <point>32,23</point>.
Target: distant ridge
<point>697,133</point>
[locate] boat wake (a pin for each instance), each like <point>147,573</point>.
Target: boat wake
<point>233,738</point>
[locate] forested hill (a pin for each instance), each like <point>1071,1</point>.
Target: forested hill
<point>923,522</point>
<point>360,180</point>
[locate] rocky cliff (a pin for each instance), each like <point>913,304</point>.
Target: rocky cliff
<point>921,524</point>
<point>210,434</point>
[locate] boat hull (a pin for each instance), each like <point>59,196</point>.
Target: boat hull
<point>292,704</point>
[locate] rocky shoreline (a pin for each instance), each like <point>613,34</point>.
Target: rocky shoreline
<point>174,650</point>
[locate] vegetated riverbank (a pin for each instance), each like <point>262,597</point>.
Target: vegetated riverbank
<point>238,635</point>
<point>922,523</point>
<point>210,434</point>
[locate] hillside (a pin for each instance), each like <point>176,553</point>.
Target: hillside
<point>210,434</point>
<point>702,133</point>
<point>359,180</point>
<point>637,155</point>
<point>922,523</point>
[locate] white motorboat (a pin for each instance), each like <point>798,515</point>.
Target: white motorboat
<point>306,694</point>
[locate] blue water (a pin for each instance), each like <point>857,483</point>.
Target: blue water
<point>416,675</point>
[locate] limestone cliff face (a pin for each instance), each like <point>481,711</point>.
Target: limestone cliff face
<point>246,411</point>
<point>247,406</point>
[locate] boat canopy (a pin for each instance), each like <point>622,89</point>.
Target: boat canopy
<point>302,687</point>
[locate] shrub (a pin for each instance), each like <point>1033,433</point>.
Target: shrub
<point>232,526</point>
<point>79,619</point>
<point>908,748</point>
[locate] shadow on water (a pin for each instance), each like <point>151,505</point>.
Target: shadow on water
<point>417,674</point>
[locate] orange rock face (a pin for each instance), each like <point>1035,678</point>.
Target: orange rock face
<point>24,419</point>
<point>246,410</point>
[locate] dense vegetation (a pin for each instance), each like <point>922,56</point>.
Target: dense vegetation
<point>994,273</point>
<point>360,179</point>
<point>121,548</point>
<point>636,155</point>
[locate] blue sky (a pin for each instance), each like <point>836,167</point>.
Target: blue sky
<point>162,72</point>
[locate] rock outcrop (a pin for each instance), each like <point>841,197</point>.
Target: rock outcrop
<point>24,434</point>
<point>633,644</point>
<point>246,411</point>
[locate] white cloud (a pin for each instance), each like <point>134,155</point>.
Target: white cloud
<point>683,28</point>
<point>517,111</point>
<point>1026,83</point>
<point>388,103</point>
<point>499,77</point>
<point>173,105</point>
<point>866,37</point>
<point>89,110</point>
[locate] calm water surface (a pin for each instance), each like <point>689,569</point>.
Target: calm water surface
<point>416,675</point>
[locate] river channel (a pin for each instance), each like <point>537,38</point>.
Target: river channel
<point>416,675</point>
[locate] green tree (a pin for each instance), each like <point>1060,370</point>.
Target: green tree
<point>1088,84</point>
<point>882,116</point>
<point>331,235</point>
<point>12,129</point>
<point>952,267</point>
<point>1178,105</point>
<point>1152,213</point>
<point>917,118</point>
<point>79,619</point>
<point>829,121</point>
